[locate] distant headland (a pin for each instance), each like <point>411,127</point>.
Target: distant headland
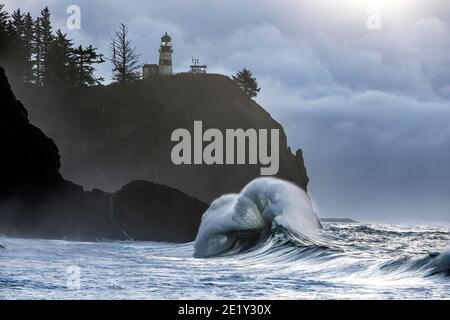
<point>338,220</point>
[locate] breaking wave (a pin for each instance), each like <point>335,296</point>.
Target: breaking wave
<point>266,206</point>
<point>273,221</point>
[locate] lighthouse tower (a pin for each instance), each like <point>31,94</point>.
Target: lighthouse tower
<point>165,55</point>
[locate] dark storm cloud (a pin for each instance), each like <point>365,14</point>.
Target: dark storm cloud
<point>370,109</point>
<point>367,163</point>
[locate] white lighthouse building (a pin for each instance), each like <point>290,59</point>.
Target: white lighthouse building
<point>165,55</point>
<point>164,67</point>
<point>165,60</point>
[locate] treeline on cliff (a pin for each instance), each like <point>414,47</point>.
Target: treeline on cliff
<point>35,54</point>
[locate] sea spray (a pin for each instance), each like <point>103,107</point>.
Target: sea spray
<point>264,204</point>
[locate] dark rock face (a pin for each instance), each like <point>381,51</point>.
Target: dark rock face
<point>111,135</point>
<point>35,201</point>
<point>141,208</point>
<point>30,160</point>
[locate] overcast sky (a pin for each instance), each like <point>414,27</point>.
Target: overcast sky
<point>370,108</point>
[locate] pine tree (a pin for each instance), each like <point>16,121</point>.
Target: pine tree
<point>4,16</point>
<point>59,59</point>
<point>247,83</point>
<point>28,34</point>
<point>17,22</point>
<point>4,34</point>
<point>18,55</point>
<point>37,53</point>
<point>126,67</point>
<point>83,61</point>
<point>46,43</point>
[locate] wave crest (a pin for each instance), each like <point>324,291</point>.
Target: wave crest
<point>434,263</point>
<point>239,221</point>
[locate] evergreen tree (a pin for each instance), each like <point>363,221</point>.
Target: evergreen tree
<point>17,22</point>
<point>59,59</point>
<point>18,56</point>
<point>247,83</point>
<point>4,16</point>
<point>46,43</point>
<point>41,45</point>
<point>4,34</point>
<point>28,34</point>
<point>83,61</point>
<point>126,67</point>
<point>37,53</point>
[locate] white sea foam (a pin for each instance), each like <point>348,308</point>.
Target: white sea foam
<point>365,262</point>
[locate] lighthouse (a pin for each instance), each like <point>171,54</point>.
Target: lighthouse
<point>165,55</point>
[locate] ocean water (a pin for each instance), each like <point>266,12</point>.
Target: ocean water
<point>350,261</point>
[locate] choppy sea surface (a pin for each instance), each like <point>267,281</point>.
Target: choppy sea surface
<point>354,261</point>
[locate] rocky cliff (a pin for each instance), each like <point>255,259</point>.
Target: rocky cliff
<point>35,200</point>
<point>111,135</point>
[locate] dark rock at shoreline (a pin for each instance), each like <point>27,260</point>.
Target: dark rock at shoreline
<point>139,204</point>
<point>35,200</point>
